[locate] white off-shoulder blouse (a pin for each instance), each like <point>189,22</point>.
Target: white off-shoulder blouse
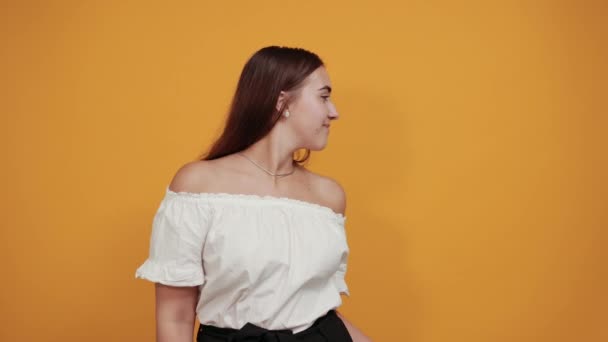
<point>275,262</point>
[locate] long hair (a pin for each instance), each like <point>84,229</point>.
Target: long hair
<point>253,111</point>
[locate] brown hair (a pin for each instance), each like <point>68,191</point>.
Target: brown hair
<point>253,112</point>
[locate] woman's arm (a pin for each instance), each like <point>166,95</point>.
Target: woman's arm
<point>175,313</point>
<point>336,195</point>
<point>356,334</point>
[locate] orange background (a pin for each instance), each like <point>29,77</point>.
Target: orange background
<point>471,145</point>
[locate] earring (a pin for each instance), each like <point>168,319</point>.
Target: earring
<point>286,114</point>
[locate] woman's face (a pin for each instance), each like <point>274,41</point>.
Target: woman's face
<point>312,110</point>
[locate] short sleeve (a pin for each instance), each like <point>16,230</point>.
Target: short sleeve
<point>179,230</point>
<point>341,273</point>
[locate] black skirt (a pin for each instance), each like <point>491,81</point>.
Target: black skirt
<point>328,328</point>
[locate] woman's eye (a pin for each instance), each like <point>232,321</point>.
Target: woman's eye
<point>325,98</point>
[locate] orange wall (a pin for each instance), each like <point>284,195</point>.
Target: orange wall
<point>470,145</point>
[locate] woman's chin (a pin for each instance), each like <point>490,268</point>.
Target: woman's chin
<point>319,146</point>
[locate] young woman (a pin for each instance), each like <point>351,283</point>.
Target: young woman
<point>247,239</point>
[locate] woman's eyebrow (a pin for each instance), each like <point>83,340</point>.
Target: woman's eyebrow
<point>326,87</point>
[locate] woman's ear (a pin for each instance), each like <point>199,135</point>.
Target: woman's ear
<point>281,100</point>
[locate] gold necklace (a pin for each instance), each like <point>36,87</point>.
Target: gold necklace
<point>268,172</point>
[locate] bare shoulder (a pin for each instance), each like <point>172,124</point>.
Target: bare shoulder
<point>330,191</point>
<point>193,176</point>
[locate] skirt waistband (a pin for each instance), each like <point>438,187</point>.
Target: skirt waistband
<point>327,325</point>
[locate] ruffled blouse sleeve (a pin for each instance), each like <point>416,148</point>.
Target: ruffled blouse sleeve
<point>339,276</point>
<point>179,230</point>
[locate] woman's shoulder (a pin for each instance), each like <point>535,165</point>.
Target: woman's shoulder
<point>329,190</point>
<point>205,175</point>
<point>193,176</point>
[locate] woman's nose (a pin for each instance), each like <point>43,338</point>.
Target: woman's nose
<point>333,113</point>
